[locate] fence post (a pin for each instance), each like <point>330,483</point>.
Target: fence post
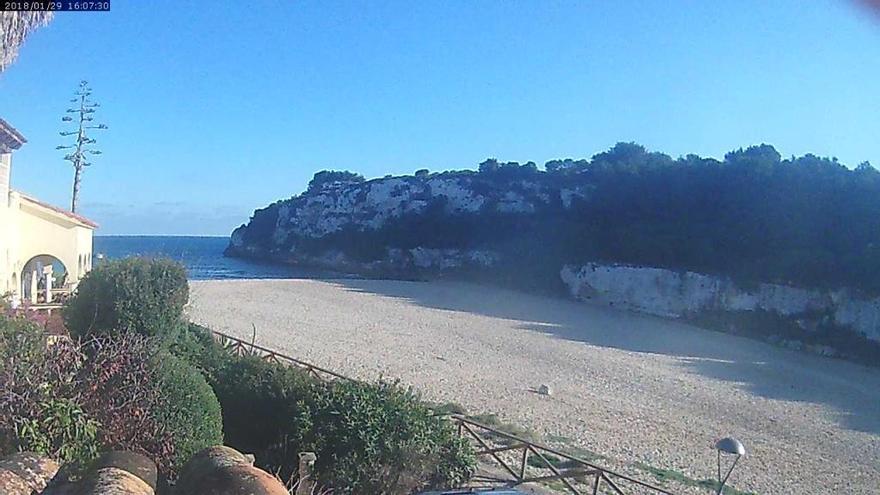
<point>306,483</point>
<point>525,460</point>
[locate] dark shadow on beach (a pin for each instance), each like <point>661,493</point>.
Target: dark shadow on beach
<point>763,369</point>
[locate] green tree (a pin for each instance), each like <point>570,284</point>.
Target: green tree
<point>325,177</point>
<point>489,165</point>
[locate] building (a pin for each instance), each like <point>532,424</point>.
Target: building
<point>44,250</point>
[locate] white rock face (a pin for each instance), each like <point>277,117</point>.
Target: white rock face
<point>675,294</point>
<point>368,205</point>
<point>371,204</point>
<point>459,197</point>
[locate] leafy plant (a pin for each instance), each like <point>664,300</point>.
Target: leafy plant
<point>380,438</point>
<point>61,430</point>
<point>147,400</point>
<point>265,409</point>
<point>38,406</point>
<point>197,347</point>
<point>125,392</point>
<point>141,295</point>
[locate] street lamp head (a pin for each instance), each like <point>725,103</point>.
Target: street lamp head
<point>730,445</point>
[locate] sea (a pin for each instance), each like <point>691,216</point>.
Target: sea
<point>202,257</point>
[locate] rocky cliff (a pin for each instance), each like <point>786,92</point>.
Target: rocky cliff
<point>793,243</point>
<point>413,226</point>
<point>683,294</point>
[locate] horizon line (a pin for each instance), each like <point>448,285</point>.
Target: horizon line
<point>161,235</point>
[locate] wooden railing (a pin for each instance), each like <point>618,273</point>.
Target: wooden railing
<point>578,476</point>
<point>241,347</point>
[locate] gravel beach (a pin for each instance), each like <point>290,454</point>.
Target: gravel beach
<point>629,387</point>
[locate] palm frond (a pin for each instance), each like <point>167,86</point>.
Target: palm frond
<point>14,29</point>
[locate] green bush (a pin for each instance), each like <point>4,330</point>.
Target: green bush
<point>147,400</point>
<point>125,392</point>
<point>21,343</point>
<point>187,409</point>
<point>140,295</point>
<point>265,409</point>
<point>369,438</point>
<point>197,347</point>
<point>380,438</point>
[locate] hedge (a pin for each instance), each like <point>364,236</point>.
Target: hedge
<point>187,408</point>
<point>141,295</point>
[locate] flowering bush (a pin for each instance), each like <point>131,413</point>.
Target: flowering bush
<point>51,322</point>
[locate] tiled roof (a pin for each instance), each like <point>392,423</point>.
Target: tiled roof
<point>61,211</point>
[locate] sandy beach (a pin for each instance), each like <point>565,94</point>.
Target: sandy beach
<point>629,387</point>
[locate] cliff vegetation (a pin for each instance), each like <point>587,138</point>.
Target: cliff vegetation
<point>754,216</point>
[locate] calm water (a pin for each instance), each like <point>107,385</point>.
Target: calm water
<point>202,256</point>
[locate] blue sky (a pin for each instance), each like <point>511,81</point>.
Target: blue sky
<point>215,109</point>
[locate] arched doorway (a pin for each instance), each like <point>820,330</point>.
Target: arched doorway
<point>44,280</point>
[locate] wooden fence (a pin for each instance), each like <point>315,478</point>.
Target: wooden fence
<point>241,347</point>
<point>577,475</point>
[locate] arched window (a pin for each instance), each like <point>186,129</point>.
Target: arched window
<point>34,286</point>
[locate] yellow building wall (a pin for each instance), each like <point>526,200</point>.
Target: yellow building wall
<point>41,234</point>
<point>32,231</point>
<point>29,229</point>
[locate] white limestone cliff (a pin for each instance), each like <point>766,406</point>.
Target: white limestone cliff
<point>679,294</point>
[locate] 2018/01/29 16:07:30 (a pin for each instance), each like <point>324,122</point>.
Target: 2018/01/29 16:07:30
<point>55,6</point>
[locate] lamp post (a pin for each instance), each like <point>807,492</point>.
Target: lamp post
<point>731,446</point>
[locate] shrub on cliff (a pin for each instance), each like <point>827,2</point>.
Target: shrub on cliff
<point>134,294</point>
<point>326,177</point>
